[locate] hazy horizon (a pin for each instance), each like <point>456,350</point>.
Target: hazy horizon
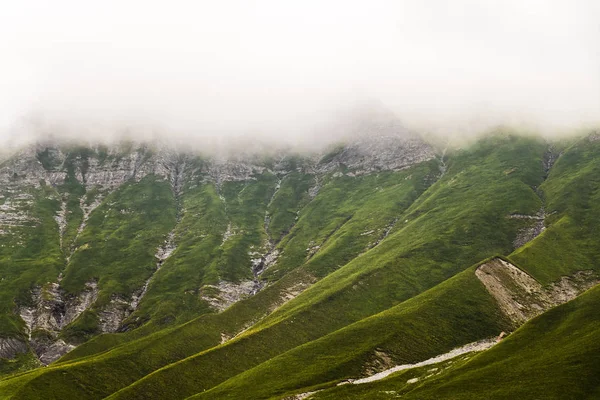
<point>284,71</point>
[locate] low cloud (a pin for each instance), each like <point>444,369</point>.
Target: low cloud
<point>282,71</point>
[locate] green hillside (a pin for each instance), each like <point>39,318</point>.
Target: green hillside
<point>280,278</point>
<point>554,356</point>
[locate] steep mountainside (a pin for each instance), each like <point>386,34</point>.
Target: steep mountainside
<point>139,271</point>
<point>87,230</point>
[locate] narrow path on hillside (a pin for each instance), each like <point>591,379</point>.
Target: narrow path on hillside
<point>468,348</point>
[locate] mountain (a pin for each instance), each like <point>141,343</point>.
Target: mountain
<point>144,270</point>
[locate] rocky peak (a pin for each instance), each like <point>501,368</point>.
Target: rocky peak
<point>372,140</point>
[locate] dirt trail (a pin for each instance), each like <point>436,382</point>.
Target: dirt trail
<point>468,348</point>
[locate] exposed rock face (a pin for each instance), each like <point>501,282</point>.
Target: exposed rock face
<point>372,144</point>
<point>105,169</point>
<point>535,228</point>
<point>53,351</point>
<point>47,311</point>
<point>225,294</point>
<point>228,170</point>
<point>134,166</point>
<point>11,347</point>
<point>380,153</point>
<point>374,139</point>
<point>24,169</point>
<point>521,297</point>
<point>51,311</point>
<point>112,315</point>
<point>14,212</point>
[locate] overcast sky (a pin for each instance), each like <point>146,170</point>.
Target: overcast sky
<point>278,66</point>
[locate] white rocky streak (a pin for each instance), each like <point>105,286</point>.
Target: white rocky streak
<point>227,234</point>
<point>227,293</point>
<point>291,292</point>
<point>61,220</point>
<point>301,396</point>
<point>112,316</point>
<point>87,210</point>
<point>270,253</point>
<point>443,166</point>
<point>386,232</point>
<point>468,348</point>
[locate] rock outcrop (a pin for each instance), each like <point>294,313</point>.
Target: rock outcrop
<point>521,297</point>
<point>49,312</point>
<point>224,294</point>
<point>11,347</point>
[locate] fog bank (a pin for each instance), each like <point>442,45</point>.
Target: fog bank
<point>284,71</point>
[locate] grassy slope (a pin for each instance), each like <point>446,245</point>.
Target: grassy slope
<point>117,246</point>
<point>556,351</point>
<point>510,166</point>
<point>436,235</point>
<point>174,289</point>
<point>339,223</point>
<point>29,256</point>
<point>289,199</point>
<point>118,243</point>
<point>107,253</point>
<point>436,232</point>
<point>572,194</point>
<point>140,357</point>
<point>463,311</point>
<point>198,236</point>
<point>554,356</point>
<point>201,257</point>
<point>38,258</point>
